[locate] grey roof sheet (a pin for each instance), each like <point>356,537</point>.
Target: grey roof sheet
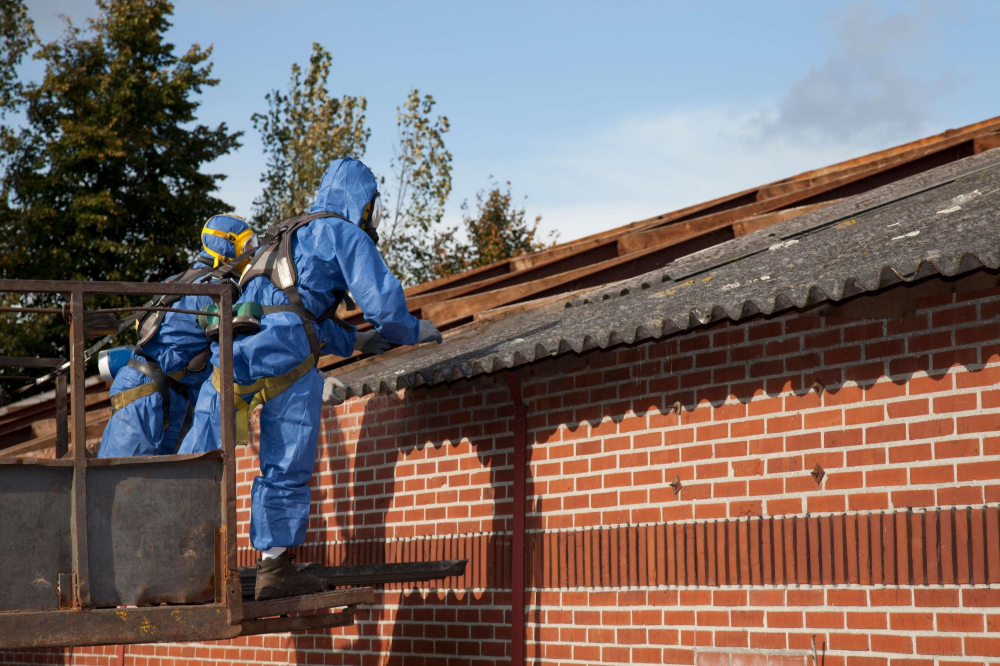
<point>941,221</point>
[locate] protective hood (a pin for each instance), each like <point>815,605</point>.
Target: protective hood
<point>347,187</point>
<point>218,236</point>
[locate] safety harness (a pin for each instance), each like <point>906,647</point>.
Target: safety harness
<point>274,261</point>
<point>162,383</point>
<point>147,326</point>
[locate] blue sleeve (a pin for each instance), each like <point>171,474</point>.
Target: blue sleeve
<point>336,340</point>
<point>376,291</point>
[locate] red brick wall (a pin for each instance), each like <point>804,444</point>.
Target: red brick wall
<point>891,558</point>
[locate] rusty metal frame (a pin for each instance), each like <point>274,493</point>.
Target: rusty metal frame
<point>62,431</point>
<point>82,624</point>
<point>78,621</point>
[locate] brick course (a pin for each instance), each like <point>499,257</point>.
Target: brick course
<point>891,559</point>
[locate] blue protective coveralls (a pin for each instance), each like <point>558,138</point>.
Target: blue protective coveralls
<point>137,429</point>
<point>330,255</point>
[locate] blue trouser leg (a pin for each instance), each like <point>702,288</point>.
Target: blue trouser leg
<point>137,428</point>
<point>289,430</point>
<point>204,434</point>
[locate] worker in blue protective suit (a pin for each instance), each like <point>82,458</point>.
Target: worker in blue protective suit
<point>152,398</point>
<point>299,276</point>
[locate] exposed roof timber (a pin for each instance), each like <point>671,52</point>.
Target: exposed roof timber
<point>757,222</point>
<point>880,159</point>
<point>942,222</point>
<point>544,273</point>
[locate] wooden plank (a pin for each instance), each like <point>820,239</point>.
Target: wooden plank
<point>711,559</point>
<point>611,545</point>
<point>662,566</point>
<point>826,549</point>
<point>625,571</point>
<point>984,143</point>
<point>791,551</point>
<point>932,547</point>
<point>962,543</point>
<point>681,554</point>
<point>889,549</point>
<point>690,562</point>
<point>581,564</point>
<point>767,546</point>
<point>802,550</point>
<point>993,543</point>
<point>550,550</point>
<point>877,548</point>
<point>815,550</point>
<point>483,567</point>
<point>651,563</point>
<point>977,534</point>
<point>864,549</point>
<point>903,540</point>
<point>839,543</point>
<point>764,220</point>
<point>671,539</point>
<point>946,523</point>
<point>733,550</point>
<point>633,555</point>
<point>744,548</point>
<point>753,526</point>
<point>721,557</point>
<point>643,563</point>
<point>918,548</point>
<point>778,532</point>
<point>701,553</point>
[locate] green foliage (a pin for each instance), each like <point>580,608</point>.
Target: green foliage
<point>303,131</point>
<point>421,169</point>
<point>498,230</point>
<point>104,182</point>
<point>17,36</point>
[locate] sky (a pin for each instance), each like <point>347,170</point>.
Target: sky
<point>602,113</point>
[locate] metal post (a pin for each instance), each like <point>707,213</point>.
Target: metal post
<point>227,425</point>
<point>81,563</point>
<point>62,425</point>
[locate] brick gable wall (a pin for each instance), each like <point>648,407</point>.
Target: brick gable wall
<point>726,497</point>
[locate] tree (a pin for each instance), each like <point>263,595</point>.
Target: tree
<point>421,169</point>
<point>303,131</point>
<point>17,36</point>
<point>105,181</point>
<point>497,231</point>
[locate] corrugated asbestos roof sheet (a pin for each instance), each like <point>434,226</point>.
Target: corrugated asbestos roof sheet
<point>943,221</point>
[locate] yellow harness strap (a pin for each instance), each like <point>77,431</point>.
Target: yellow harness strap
<point>265,388</point>
<point>127,397</point>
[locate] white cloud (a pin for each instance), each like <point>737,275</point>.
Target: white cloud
<point>877,80</point>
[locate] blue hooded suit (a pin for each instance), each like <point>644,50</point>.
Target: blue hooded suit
<point>137,429</point>
<point>330,255</point>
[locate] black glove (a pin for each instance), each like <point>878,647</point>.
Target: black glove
<point>429,332</point>
<point>371,342</point>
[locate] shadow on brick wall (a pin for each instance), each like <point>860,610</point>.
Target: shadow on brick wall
<point>467,617</point>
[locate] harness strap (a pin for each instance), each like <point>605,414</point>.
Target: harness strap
<point>162,383</point>
<point>264,389</point>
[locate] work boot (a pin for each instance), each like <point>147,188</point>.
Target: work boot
<point>278,578</point>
